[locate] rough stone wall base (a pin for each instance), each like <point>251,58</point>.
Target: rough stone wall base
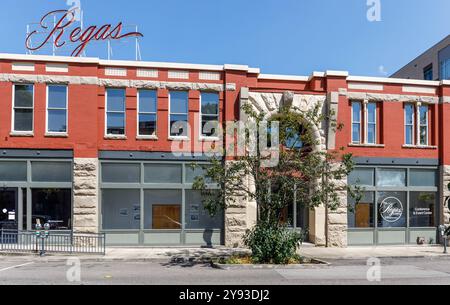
<point>85,201</point>
<point>338,219</point>
<point>444,193</point>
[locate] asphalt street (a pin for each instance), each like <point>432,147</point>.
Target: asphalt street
<point>428,271</point>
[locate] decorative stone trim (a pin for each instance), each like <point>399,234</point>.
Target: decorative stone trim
<point>419,147</point>
<point>48,79</point>
<point>376,97</point>
<point>21,134</point>
<point>151,73</point>
<point>365,86</point>
<point>56,135</point>
<point>177,74</point>
<point>209,75</point>
<point>57,68</point>
<point>103,82</point>
<point>115,71</point>
<point>367,145</point>
<point>444,100</point>
<point>148,138</point>
<point>22,66</point>
<point>333,111</point>
<point>113,137</point>
<point>415,89</point>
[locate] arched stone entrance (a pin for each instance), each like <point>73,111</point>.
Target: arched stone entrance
<point>326,228</point>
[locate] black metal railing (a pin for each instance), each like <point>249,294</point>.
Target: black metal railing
<point>56,242</point>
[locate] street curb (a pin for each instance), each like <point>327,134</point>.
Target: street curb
<point>387,257</point>
<point>317,264</point>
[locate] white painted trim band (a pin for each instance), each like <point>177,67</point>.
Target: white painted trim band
<point>365,86</point>
<point>283,77</point>
<point>392,81</point>
<point>415,89</point>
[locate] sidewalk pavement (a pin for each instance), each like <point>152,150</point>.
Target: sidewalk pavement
<point>368,252</point>
<point>203,255</point>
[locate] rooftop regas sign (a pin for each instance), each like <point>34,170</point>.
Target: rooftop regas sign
<point>61,33</point>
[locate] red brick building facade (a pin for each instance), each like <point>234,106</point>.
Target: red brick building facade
<point>86,144</point>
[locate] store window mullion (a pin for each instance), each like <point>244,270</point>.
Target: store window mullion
<point>142,203</point>
<point>183,205</point>
<point>29,210</point>
<point>376,205</point>
<point>20,209</point>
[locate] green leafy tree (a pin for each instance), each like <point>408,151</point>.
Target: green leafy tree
<point>304,175</point>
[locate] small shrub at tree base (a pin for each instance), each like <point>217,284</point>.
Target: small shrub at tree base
<point>272,244</point>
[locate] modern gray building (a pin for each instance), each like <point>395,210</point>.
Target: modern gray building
<point>433,64</point>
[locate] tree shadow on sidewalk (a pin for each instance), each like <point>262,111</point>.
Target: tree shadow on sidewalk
<point>199,257</point>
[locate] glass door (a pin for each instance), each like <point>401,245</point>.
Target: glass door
<point>9,210</point>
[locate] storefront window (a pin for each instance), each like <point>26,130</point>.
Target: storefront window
<point>423,177</point>
<point>121,209</point>
<point>193,173</point>
<point>362,177</point>
<point>163,173</point>
<point>52,206</point>
<point>422,209</point>
<point>121,173</point>
<point>391,177</point>
<point>361,214</point>
<point>162,209</point>
<point>13,171</point>
<point>51,171</point>
<point>391,209</point>
<point>196,215</point>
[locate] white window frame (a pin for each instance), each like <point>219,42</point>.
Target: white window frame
<point>201,135</point>
<point>48,108</point>
<point>420,125</point>
<point>13,116</point>
<point>124,112</point>
<point>412,125</point>
<point>170,136</point>
<point>359,122</point>
<point>367,123</point>
<point>155,136</point>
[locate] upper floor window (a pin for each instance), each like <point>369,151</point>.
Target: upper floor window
<point>147,112</point>
<point>179,113</point>
<point>417,124</point>
<point>423,123</point>
<point>445,69</point>
<point>409,124</point>
<point>371,123</point>
<point>356,122</point>
<point>364,122</point>
<point>115,111</point>
<point>23,108</point>
<point>428,73</point>
<point>209,115</point>
<point>57,109</point>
